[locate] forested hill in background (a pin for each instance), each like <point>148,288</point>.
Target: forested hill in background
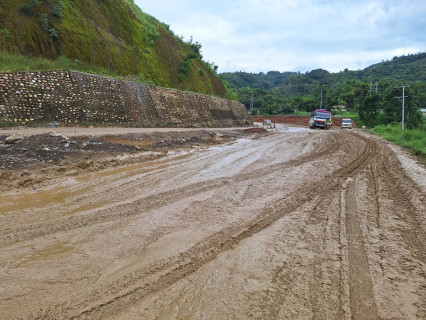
<point>404,68</point>
<point>111,34</point>
<point>371,94</point>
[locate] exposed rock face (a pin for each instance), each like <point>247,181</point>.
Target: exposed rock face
<point>78,98</point>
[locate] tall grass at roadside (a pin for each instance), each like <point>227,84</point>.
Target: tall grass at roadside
<point>413,139</point>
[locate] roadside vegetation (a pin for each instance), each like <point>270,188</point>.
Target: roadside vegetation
<point>413,139</point>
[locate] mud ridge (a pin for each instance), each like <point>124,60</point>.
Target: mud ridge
<point>310,224</point>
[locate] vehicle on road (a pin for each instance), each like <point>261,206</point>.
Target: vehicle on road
<point>320,118</point>
<point>267,123</point>
<point>347,123</point>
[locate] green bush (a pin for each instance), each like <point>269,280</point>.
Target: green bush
<point>192,55</point>
<point>153,33</point>
<point>185,67</point>
<point>58,10</point>
<point>195,47</point>
<point>5,33</point>
<point>53,34</point>
<point>27,10</point>
<point>44,21</point>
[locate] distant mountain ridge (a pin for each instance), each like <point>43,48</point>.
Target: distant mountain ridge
<point>114,34</point>
<point>404,68</point>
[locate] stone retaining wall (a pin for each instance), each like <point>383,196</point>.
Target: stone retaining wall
<point>76,98</point>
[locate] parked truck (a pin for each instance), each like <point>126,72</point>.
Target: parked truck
<point>320,118</point>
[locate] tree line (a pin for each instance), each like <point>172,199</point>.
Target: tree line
<point>374,93</point>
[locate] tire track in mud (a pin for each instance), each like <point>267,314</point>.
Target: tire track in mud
<point>408,203</point>
<point>134,288</point>
<point>361,295</point>
<point>283,280</point>
<point>143,205</point>
<point>321,300</point>
<point>112,297</point>
<point>388,230</point>
<point>405,223</point>
<point>398,186</point>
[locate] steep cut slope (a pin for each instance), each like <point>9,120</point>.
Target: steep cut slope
<point>114,34</point>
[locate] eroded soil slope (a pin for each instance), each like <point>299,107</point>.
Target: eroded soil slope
<point>291,225</point>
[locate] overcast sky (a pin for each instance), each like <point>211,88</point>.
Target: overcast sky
<point>292,35</point>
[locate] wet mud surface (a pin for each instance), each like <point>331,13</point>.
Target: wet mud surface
<point>296,224</point>
<point>37,158</point>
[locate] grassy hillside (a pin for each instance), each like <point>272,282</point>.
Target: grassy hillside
<point>112,34</point>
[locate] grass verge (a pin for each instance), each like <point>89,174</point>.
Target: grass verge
<point>412,139</point>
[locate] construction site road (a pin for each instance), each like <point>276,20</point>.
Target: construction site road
<point>295,224</point>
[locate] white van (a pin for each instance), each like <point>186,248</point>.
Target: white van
<point>347,123</point>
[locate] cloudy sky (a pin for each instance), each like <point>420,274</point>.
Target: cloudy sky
<point>296,35</point>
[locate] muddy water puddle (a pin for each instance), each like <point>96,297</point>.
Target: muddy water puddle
<point>81,185</point>
<point>31,200</point>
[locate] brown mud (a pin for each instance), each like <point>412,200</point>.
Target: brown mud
<point>40,157</point>
<point>298,224</point>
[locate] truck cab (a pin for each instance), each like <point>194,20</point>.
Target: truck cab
<point>320,118</point>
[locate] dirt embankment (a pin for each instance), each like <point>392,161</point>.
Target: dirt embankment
<point>298,224</point>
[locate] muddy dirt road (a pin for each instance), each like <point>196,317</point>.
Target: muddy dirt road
<point>297,224</point>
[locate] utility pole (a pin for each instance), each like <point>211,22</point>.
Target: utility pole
<point>251,103</point>
<point>403,105</point>
<point>321,100</point>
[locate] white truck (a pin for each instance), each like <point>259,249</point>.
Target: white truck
<point>320,118</point>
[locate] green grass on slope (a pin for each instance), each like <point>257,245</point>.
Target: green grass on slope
<point>19,63</point>
<point>114,36</point>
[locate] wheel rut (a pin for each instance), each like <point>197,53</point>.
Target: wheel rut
<point>321,199</point>
<point>209,249</point>
<point>139,206</point>
<point>362,300</point>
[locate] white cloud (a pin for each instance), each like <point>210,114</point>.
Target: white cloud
<point>283,35</point>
